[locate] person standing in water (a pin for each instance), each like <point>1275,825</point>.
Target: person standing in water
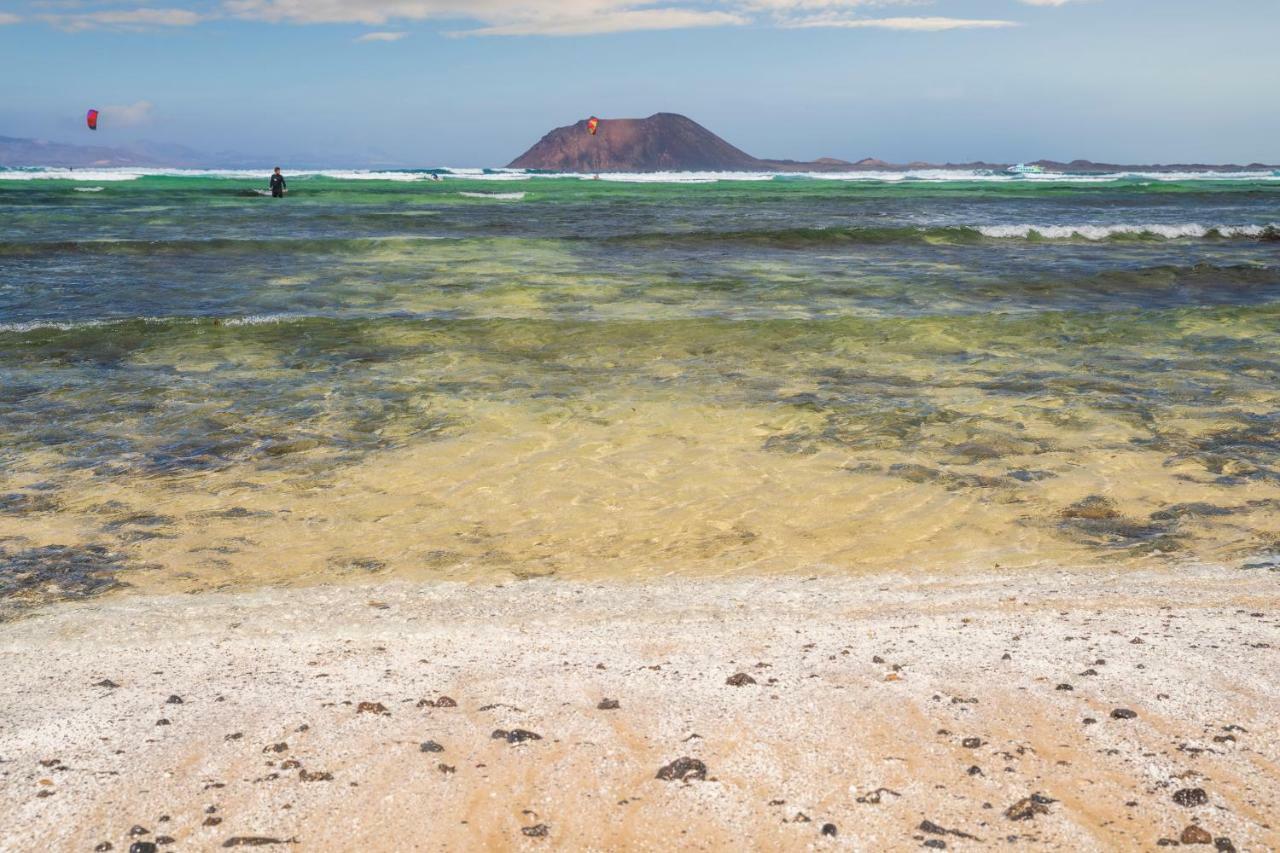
<point>278,185</point>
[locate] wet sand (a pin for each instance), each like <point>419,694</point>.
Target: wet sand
<point>886,712</point>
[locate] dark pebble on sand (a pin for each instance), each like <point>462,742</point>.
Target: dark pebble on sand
<point>315,776</point>
<point>103,847</point>
<point>166,839</point>
<point>162,722</point>
<point>741,679</point>
<point>1195,835</point>
<point>1064,687</point>
<point>1123,714</point>
<point>173,700</point>
<point>142,847</point>
<point>1224,845</point>
<point>446,768</point>
<point>1088,721</point>
<point>975,770</point>
<point>276,747</point>
<point>936,844</point>
<point>1027,808</point>
<point>1190,797</point>
<point>538,830</point>
<point>971,743</point>
<point>829,829</point>
<point>515,735</point>
<point>106,682</point>
<point>683,770</point>
<point>373,708</point>
<point>608,705</point>
<point>212,820</point>
<point>430,746</point>
<point>255,841</point>
<point>139,830</point>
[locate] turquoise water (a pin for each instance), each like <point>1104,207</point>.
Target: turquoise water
<point>201,386</point>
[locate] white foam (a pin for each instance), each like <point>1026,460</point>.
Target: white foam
<point>94,175</point>
<point>261,320</point>
<point>73,325</point>
<point>1103,232</point>
<point>98,175</point>
<point>89,189</point>
<point>501,196</point>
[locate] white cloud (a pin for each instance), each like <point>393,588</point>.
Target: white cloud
<point>627,20</point>
<point>510,17</point>
<point>815,5</point>
<point>129,115</point>
<point>1045,2</point>
<point>125,19</point>
<point>925,24</point>
<point>6,18</point>
<point>497,17</point>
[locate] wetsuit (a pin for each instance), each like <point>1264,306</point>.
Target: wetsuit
<point>277,186</point>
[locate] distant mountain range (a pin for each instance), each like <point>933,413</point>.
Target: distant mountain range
<point>16,153</point>
<point>38,152</point>
<point>667,142</point>
<point>664,142</point>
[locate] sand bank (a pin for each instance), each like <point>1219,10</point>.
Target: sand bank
<point>881,713</point>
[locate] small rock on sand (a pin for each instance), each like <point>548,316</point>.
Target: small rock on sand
<point>1195,835</point>
<point>538,830</point>
<point>430,746</point>
<point>683,770</point>
<point>608,705</point>
<point>1028,807</point>
<point>255,841</point>
<point>1123,714</point>
<point>1190,797</point>
<point>741,679</point>
<point>515,735</point>
<point>373,708</point>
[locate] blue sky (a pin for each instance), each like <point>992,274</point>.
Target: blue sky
<point>475,82</point>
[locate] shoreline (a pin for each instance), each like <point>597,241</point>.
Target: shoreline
<point>854,685</point>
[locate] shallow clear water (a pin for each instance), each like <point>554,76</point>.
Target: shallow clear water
<point>202,387</point>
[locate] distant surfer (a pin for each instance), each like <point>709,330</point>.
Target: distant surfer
<point>278,186</point>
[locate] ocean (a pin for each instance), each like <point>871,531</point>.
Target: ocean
<point>502,375</point>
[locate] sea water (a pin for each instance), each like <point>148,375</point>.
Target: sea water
<point>500,375</point>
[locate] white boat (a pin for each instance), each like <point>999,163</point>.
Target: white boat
<point>1024,169</point>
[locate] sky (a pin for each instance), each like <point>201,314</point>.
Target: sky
<point>476,82</point>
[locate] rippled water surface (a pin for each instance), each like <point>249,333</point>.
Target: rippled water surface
<point>201,387</point>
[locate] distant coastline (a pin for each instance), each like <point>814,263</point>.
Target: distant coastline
<point>661,143</point>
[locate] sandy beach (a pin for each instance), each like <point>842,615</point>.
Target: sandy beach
<point>1086,710</point>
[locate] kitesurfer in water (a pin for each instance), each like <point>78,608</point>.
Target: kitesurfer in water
<point>278,186</point>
